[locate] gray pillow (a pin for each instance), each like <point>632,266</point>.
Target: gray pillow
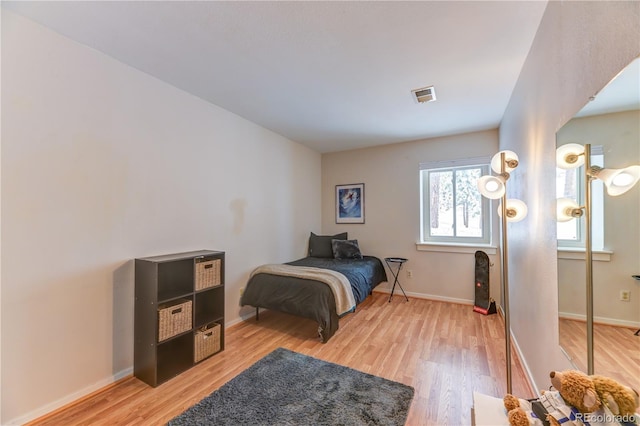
<point>320,245</point>
<point>346,249</point>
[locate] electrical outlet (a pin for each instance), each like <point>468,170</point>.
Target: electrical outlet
<point>409,273</point>
<point>625,295</point>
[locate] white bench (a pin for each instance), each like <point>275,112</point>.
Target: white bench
<point>488,411</point>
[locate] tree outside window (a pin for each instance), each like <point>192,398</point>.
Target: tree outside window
<point>452,208</point>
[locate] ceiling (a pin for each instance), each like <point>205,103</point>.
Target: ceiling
<point>330,75</point>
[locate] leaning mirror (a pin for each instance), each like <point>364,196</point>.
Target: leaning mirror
<point>610,124</point>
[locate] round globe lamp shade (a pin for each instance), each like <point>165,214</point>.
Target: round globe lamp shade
<point>516,210</point>
<point>492,187</point>
<point>509,157</point>
<point>570,156</point>
<point>565,208</point>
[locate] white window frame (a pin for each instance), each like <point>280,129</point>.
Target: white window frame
<point>597,207</point>
<point>452,165</point>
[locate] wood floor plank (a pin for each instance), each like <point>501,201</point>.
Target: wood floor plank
<point>616,350</point>
<point>444,350</point>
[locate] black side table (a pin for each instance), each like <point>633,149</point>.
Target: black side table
<point>399,261</point>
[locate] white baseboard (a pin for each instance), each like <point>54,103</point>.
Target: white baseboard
<point>238,320</point>
<point>600,320</point>
<point>397,293</point>
<point>68,399</point>
<point>525,366</point>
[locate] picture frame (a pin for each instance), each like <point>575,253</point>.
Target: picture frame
<point>350,203</point>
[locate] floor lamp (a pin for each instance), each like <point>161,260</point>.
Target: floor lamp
<point>617,181</point>
<point>509,210</point>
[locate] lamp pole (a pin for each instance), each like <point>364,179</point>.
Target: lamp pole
<point>497,189</point>
<point>505,278</point>
<point>588,255</point>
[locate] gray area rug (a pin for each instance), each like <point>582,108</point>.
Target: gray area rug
<point>288,388</point>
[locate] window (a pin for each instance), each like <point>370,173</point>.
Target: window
<point>570,184</point>
<point>451,207</point>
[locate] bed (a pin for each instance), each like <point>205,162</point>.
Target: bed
<point>324,286</point>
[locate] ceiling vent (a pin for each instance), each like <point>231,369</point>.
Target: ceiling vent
<point>425,94</point>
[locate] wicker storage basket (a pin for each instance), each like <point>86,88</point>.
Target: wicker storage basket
<point>174,318</point>
<point>207,273</point>
<point>207,342</point>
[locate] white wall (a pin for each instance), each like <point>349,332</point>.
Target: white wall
<point>102,164</point>
<point>579,47</point>
<point>619,135</point>
<point>392,210</point>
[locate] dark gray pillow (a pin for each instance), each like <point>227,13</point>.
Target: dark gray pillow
<point>346,249</point>
<point>320,245</point>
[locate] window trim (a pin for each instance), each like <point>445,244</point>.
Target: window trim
<point>597,216</point>
<point>426,240</point>
<point>456,247</point>
<point>576,253</point>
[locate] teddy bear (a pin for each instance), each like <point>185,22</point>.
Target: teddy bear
<point>520,412</point>
<point>574,396</point>
<point>619,399</point>
<point>577,389</point>
<point>577,398</point>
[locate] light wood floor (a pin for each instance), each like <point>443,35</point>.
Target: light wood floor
<point>445,351</point>
<point>616,350</point>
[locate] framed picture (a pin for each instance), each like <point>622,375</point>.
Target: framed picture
<point>350,203</point>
